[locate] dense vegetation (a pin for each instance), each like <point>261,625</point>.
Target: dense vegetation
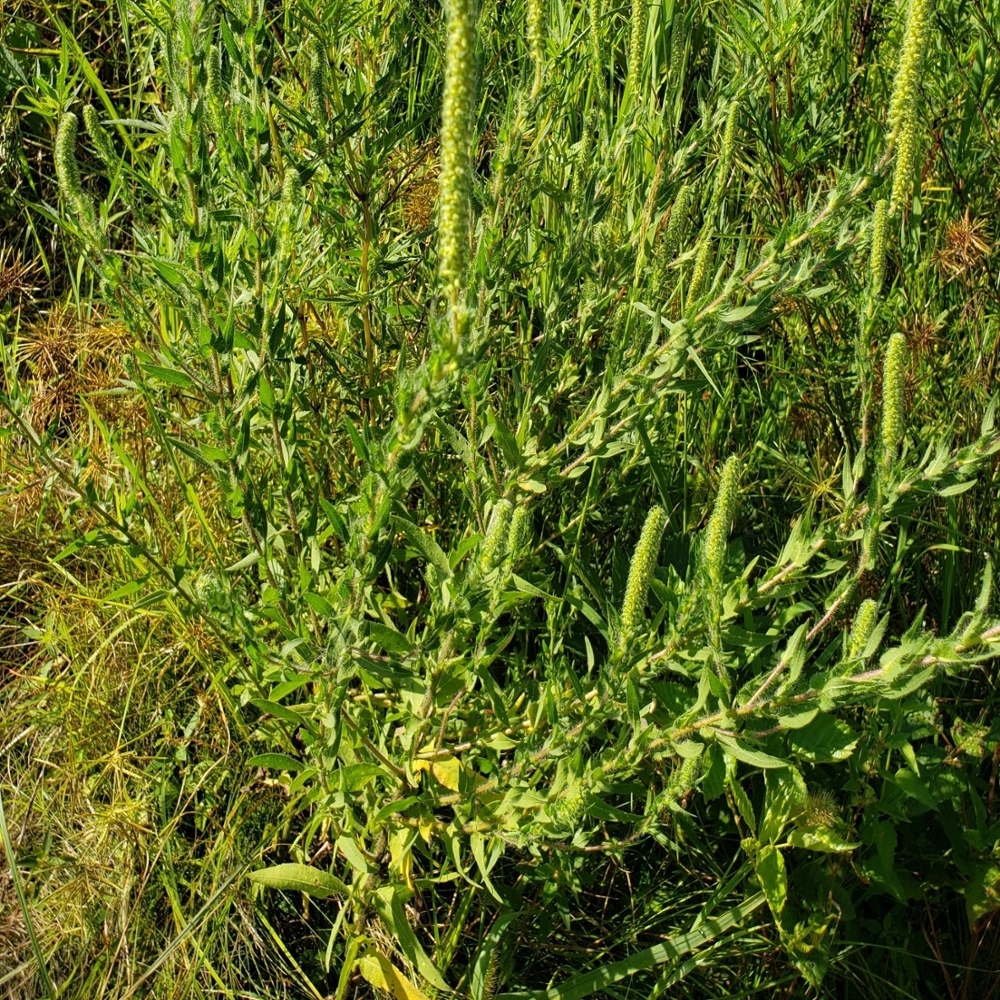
<point>499,500</point>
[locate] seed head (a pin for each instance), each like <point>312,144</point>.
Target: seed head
<point>637,40</point>
<point>678,221</point>
<point>906,157</point>
<point>678,41</point>
<point>820,809</point>
<point>717,532</point>
<point>67,170</point>
<point>518,534</point>
<point>597,49</point>
<point>494,542</point>
<point>641,571</point>
<point>964,249</point>
<point>904,88</point>
<point>893,390</point>
<point>318,68</point>
<point>864,625</point>
<point>701,263</point>
<point>98,136</point>
<point>725,156</point>
<point>876,263</point>
<point>214,91</point>
<point>457,120</point>
<point>538,18</point>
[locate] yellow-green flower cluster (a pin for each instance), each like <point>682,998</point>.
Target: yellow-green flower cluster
<point>70,184</point>
<point>683,778</point>
<point>317,78</point>
<point>517,536</point>
<point>597,49</point>
<point>876,261</point>
<point>637,40</point>
<point>538,17</point>
<point>725,156</point>
<point>701,263</point>
<point>102,144</point>
<point>864,625</point>
<point>214,91</point>
<point>458,109</point>
<point>717,532</point>
<point>902,119</point>
<point>906,156</point>
<point>893,388</point>
<point>495,540</point>
<point>678,40</point>
<point>678,217</point>
<point>904,88</point>
<point>641,571</point>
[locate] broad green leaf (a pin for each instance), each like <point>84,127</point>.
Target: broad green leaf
<point>820,839</point>
<point>982,892</point>
<point>278,761</point>
<point>743,753</point>
<point>914,787</point>
<point>824,739</point>
<point>770,868</point>
<point>299,878</point>
<point>425,545</point>
<point>786,794</point>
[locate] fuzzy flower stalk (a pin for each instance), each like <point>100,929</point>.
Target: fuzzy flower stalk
<point>701,262</point>
<point>317,79</point>
<point>864,625</point>
<point>893,389</point>
<point>902,118</point>
<point>637,40</point>
<point>641,571</point>
<point>594,13</point>
<point>214,88</point>
<point>495,540</point>
<point>725,157</point>
<point>70,184</point>
<point>102,143</point>
<point>538,18</point>
<point>457,123</point>
<point>876,261</point>
<point>717,532</point>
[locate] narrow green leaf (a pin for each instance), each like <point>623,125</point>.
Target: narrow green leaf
<point>293,877</point>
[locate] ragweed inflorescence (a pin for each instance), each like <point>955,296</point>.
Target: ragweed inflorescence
<point>458,109</point>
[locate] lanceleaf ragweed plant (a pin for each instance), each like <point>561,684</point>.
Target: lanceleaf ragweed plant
<point>411,482</point>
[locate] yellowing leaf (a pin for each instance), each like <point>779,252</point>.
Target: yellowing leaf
<point>446,770</point>
<point>381,973</point>
<point>401,854</point>
<point>426,827</point>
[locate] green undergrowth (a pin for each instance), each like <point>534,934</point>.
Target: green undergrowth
<point>499,502</point>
